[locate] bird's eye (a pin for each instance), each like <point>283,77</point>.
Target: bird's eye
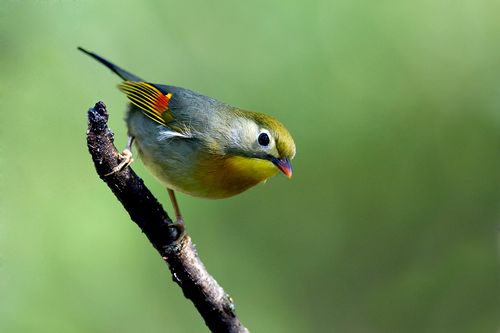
<point>263,139</point>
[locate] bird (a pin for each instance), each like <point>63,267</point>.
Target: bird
<point>196,144</point>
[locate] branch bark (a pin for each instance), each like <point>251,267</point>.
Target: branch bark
<point>176,248</point>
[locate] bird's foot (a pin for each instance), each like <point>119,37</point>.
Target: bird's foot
<point>125,158</point>
<point>179,227</point>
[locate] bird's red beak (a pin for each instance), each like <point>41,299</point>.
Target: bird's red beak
<point>284,165</point>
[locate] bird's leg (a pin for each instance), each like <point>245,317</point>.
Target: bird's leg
<point>179,222</point>
<point>125,157</point>
<point>173,200</point>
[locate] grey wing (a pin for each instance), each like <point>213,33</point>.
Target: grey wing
<point>192,111</point>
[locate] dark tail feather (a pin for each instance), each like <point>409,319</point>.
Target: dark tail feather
<point>117,70</point>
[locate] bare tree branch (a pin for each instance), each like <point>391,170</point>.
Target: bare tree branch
<point>175,247</point>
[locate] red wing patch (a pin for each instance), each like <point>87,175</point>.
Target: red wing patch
<point>148,98</point>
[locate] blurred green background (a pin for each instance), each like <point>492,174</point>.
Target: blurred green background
<point>390,223</point>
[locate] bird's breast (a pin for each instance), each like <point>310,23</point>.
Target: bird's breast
<point>225,176</point>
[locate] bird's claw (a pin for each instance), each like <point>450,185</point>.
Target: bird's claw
<point>179,228</point>
<point>125,158</point>
<point>179,224</point>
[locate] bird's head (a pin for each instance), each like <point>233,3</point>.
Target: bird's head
<point>259,136</point>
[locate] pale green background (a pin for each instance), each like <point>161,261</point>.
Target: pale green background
<point>390,224</point>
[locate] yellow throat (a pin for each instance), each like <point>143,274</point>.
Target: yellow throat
<point>228,176</point>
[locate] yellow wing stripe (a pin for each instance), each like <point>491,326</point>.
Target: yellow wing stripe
<point>140,102</point>
<point>148,98</point>
<point>138,93</point>
<point>137,102</point>
<point>147,112</point>
<point>142,95</point>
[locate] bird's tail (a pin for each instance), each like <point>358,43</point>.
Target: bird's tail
<point>117,70</point>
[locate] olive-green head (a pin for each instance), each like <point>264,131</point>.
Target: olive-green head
<point>259,136</point>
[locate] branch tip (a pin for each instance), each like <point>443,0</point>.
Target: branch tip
<point>98,117</point>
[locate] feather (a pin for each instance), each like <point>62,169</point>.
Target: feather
<point>150,100</point>
<point>117,70</point>
<point>167,134</point>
